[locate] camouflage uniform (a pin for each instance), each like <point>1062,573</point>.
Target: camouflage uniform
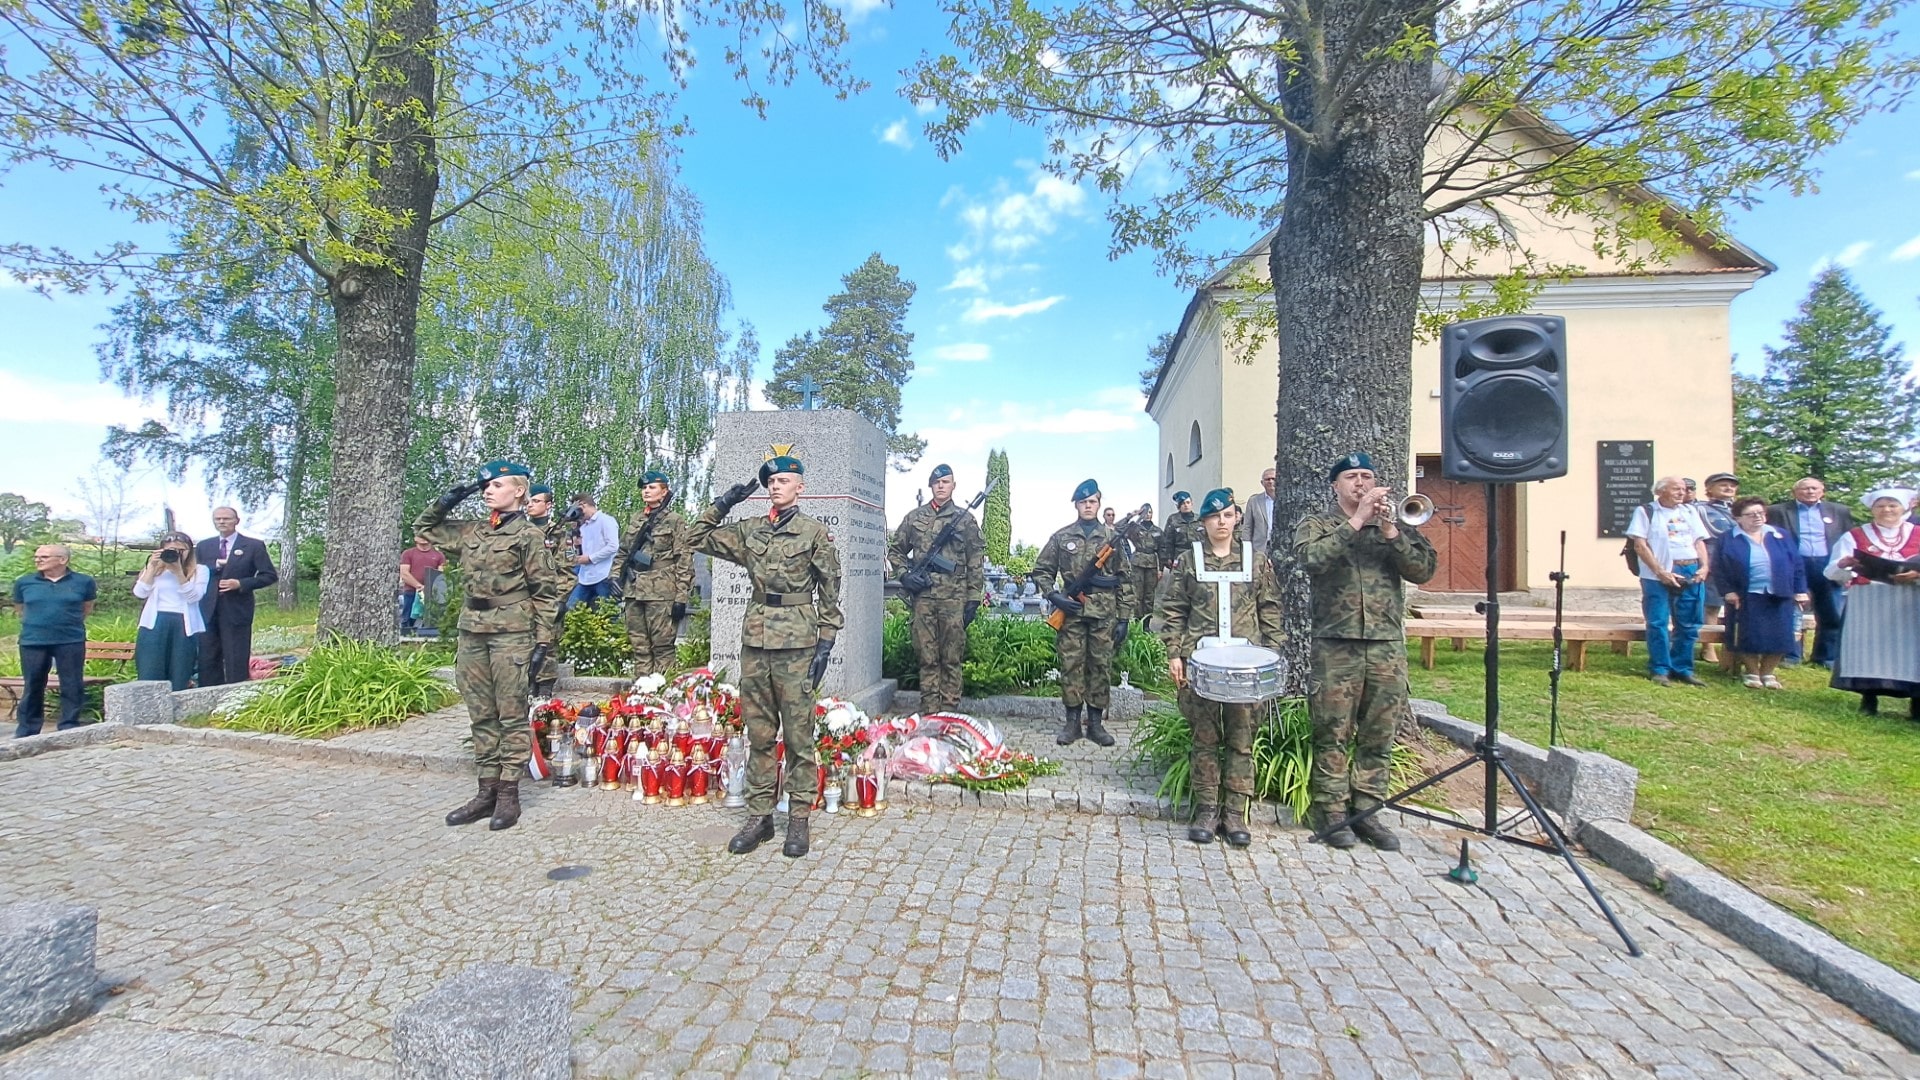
<point>939,613</point>
<point>1182,530</point>
<point>1145,538</point>
<point>559,544</point>
<point>1357,690</point>
<point>795,573</point>
<point>1191,611</point>
<point>1085,641</point>
<point>511,597</point>
<point>650,594</point>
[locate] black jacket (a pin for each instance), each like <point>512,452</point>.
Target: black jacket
<point>1785,516</point>
<point>248,563</point>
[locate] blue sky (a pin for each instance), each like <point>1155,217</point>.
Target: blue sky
<point>1027,336</point>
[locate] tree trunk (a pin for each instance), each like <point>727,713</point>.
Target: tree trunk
<point>1345,264</point>
<point>376,307</point>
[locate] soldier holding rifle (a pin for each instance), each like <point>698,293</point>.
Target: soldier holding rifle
<point>653,574</point>
<point>1089,613</point>
<point>1358,560</point>
<point>941,560</point>
<point>559,542</point>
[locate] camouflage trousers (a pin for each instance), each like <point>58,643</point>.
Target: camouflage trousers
<point>1217,726</point>
<point>1146,581</point>
<point>550,667</point>
<point>1085,649</point>
<point>776,699</point>
<point>490,671</point>
<point>940,641</point>
<point>650,631</point>
<point>1357,695</point>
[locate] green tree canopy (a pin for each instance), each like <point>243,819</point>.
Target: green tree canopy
<point>996,521</point>
<point>861,358</point>
<point>1838,401</point>
<point>21,519</point>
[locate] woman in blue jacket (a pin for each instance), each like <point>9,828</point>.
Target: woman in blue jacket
<point>1765,586</point>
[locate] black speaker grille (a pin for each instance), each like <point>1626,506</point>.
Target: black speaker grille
<point>1507,423</point>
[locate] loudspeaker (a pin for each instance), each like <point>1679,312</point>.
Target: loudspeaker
<point>1503,399</point>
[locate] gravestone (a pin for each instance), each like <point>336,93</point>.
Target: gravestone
<point>846,461</point>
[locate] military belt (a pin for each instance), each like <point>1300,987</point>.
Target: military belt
<point>494,603</point>
<point>782,599</point>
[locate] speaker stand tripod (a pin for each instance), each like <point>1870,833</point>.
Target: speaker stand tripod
<point>1488,755</point>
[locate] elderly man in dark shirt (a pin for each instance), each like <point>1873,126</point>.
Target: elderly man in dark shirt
<point>54,603</point>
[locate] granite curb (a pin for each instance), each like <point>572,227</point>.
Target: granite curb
<point>290,746</point>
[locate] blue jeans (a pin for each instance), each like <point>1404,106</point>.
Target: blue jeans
<point>588,594</point>
<point>36,662</point>
<point>1671,653</point>
<point>406,610</point>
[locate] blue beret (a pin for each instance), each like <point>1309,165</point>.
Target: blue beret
<point>538,489</point>
<point>1087,490</point>
<point>1345,464</point>
<point>1181,496</point>
<point>1217,500</point>
<point>938,472</point>
<point>785,463</point>
<point>493,470</point>
<point>654,476</point>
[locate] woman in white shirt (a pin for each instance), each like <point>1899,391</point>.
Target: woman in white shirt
<point>172,584</point>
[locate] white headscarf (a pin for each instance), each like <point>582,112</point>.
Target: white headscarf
<point>1904,496</point>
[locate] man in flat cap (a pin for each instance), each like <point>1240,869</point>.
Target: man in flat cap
<point>786,639</point>
<point>506,628</point>
<point>560,548</point>
<point>1357,559</point>
<point>944,574</point>
<point>1095,620</point>
<point>1183,528</point>
<point>1716,512</point>
<point>654,575</point>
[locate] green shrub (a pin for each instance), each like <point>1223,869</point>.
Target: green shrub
<point>594,641</point>
<point>341,686</point>
<point>1143,659</point>
<point>1008,654</point>
<point>696,649</point>
<point>898,661</point>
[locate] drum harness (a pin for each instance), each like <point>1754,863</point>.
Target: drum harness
<point>1223,581</point>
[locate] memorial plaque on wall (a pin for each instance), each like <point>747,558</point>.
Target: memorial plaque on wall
<point>1626,482</point>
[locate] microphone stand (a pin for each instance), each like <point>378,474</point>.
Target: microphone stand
<point>1559,579</point>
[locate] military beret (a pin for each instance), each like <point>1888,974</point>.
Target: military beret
<point>785,463</point>
<point>494,470</point>
<point>654,476</point>
<point>1182,496</point>
<point>938,472</point>
<point>1348,464</point>
<point>538,489</point>
<point>1719,476</point>
<point>1217,500</point>
<point>1087,490</point>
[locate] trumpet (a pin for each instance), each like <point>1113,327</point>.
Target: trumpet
<point>1416,510</point>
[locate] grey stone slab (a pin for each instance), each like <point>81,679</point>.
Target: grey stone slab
<point>143,702</point>
<point>1127,704</point>
<point>489,1021</point>
<point>47,976</point>
<point>123,1050</point>
<point>1635,854</point>
<point>1587,786</point>
<point>49,741</point>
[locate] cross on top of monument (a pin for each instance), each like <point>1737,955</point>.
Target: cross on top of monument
<point>808,390</point>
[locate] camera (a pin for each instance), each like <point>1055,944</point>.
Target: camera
<point>168,555</point>
<point>574,513</point>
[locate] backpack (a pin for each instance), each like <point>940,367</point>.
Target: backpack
<point>1629,552</point>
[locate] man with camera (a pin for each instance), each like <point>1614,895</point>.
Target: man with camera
<point>944,581</point>
<point>1358,560</point>
<point>654,575</point>
<point>598,540</point>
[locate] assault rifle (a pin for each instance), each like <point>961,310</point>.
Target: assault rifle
<point>918,576</point>
<point>1076,589</point>
<point>637,559</point>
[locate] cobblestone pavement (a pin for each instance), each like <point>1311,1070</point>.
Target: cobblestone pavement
<point>259,910</point>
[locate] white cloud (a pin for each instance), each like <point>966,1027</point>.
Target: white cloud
<point>1846,258</point>
<point>1906,252</point>
<point>965,352</point>
<point>859,9</point>
<point>31,399</point>
<point>968,277</point>
<point>896,134</point>
<point>1914,175</point>
<point>982,309</point>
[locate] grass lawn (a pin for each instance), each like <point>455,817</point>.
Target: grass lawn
<point>1793,793</point>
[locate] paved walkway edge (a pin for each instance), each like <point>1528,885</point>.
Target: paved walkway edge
<point>1810,954</point>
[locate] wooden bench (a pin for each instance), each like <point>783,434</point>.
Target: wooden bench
<point>1518,614</point>
<point>120,652</point>
<point>1621,635</point>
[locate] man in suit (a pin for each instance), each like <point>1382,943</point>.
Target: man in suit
<point>239,565</point>
<point>1260,513</point>
<point>1814,525</point>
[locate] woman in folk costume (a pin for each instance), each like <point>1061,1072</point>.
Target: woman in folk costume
<point>1880,646</point>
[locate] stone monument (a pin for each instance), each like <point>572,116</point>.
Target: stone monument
<point>846,460</point>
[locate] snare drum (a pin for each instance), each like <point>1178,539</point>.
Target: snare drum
<point>1236,674</point>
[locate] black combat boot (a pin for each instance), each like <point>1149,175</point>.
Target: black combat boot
<point>796,844</point>
<point>1069,731</point>
<point>1095,730</point>
<point>477,807</point>
<point>756,831</point>
<point>1201,831</point>
<point>1233,822</point>
<point>1338,835</point>
<point>506,805</point>
<point>1373,829</point>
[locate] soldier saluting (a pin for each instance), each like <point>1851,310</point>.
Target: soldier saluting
<point>506,628</point>
<point>1094,620</point>
<point>1183,528</point>
<point>944,601</point>
<point>1144,536</point>
<point>785,641</point>
<point>1357,560</point>
<point>654,575</point>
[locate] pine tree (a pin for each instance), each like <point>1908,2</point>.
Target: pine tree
<point>997,520</point>
<point>861,358</point>
<point>1837,401</point>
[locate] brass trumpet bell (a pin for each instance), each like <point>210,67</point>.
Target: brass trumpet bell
<point>1416,510</point>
